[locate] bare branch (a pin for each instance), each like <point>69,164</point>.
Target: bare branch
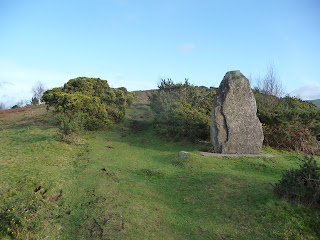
<point>2,106</point>
<point>38,90</point>
<point>270,84</point>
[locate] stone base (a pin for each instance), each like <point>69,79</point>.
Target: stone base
<point>209,154</point>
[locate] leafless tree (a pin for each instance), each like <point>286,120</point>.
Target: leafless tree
<point>38,90</point>
<point>270,84</point>
<point>22,103</point>
<point>2,106</point>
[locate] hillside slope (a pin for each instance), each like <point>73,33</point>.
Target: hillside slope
<point>127,183</point>
<point>143,95</point>
<point>315,101</point>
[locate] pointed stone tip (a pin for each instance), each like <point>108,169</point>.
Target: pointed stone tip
<point>234,72</point>
<point>235,127</point>
<point>232,76</point>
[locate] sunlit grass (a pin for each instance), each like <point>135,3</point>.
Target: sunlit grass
<point>128,183</point>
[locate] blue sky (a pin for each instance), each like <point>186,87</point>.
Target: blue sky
<point>135,43</point>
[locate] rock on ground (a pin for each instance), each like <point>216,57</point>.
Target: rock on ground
<point>183,154</point>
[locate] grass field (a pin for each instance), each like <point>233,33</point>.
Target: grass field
<point>128,183</point>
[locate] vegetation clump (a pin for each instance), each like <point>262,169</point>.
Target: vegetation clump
<point>301,185</point>
<point>17,215</point>
<point>182,111</point>
<point>289,123</point>
<point>88,103</point>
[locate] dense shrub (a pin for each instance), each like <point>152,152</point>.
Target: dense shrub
<point>182,111</point>
<point>69,124</point>
<point>17,213</point>
<point>129,96</point>
<point>88,103</point>
<point>301,185</point>
<point>289,123</point>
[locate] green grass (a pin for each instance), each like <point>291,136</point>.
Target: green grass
<point>128,183</point>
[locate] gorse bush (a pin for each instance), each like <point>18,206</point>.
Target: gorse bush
<point>69,124</point>
<point>182,111</point>
<point>88,103</point>
<point>301,185</point>
<point>289,123</point>
<point>17,214</point>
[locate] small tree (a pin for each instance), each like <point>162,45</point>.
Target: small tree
<point>2,106</point>
<point>35,101</point>
<point>270,84</point>
<point>21,103</point>
<point>37,91</point>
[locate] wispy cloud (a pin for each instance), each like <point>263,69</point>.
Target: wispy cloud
<point>3,84</point>
<point>307,92</point>
<point>16,81</point>
<point>187,47</point>
<point>132,17</point>
<point>13,73</point>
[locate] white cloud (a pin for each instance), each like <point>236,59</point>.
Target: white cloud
<point>187,47</point>
<point>3,83</point>
<point>16,81</point>
<point>13,73</point>
<point>12,93</point>
<point>307,92</point>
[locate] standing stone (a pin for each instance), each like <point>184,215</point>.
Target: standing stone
<point>235,127</point>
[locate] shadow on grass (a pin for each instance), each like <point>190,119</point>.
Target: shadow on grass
<point>222,198</point>
<point>217,205</point>
<point>28,138</point>
<point>206,204</point>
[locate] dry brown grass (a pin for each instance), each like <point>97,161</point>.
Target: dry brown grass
<point>16,112</point>
<point>142,95</point>
<point>31,115</point>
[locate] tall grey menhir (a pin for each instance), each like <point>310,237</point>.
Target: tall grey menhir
<point>235,127</point>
